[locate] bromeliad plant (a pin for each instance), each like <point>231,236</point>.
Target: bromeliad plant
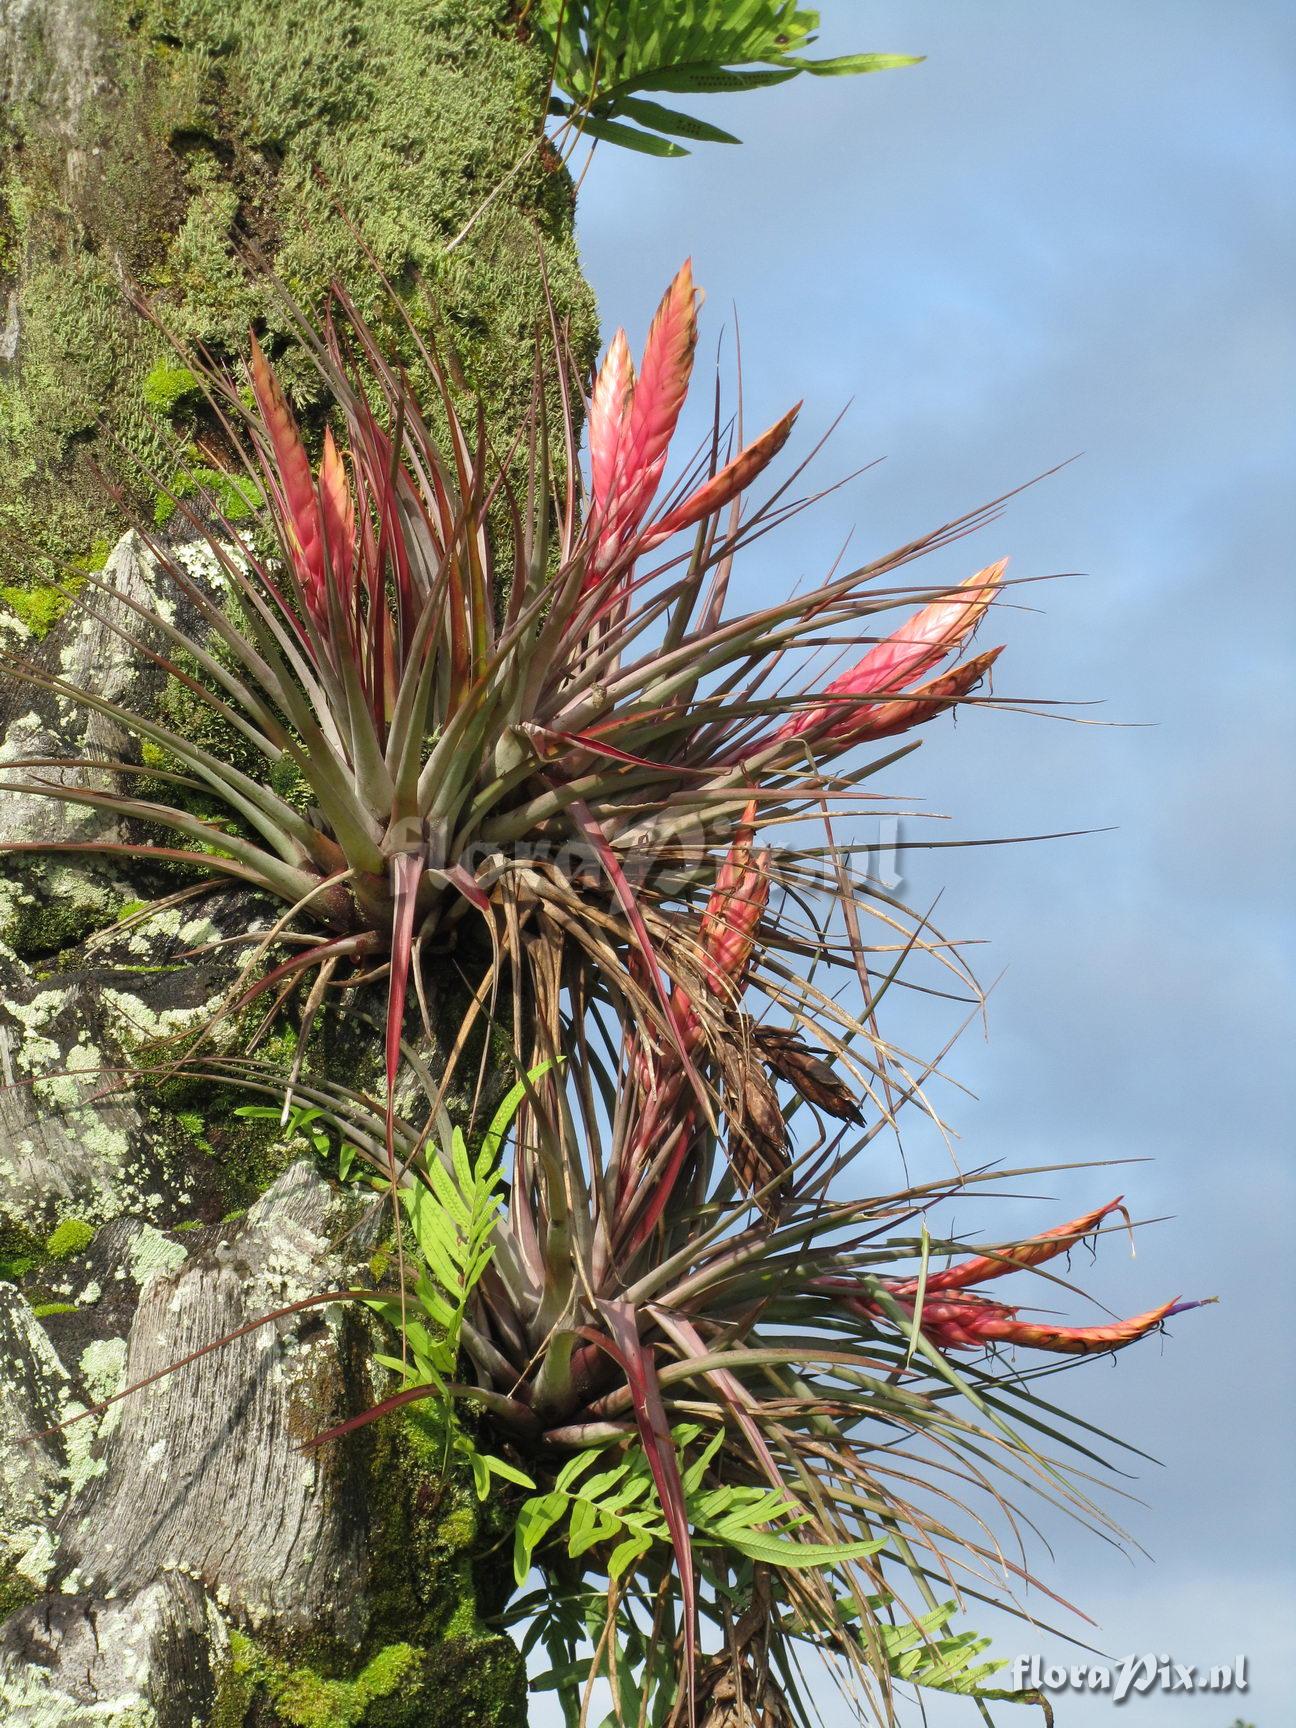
<point>469,690</point>
<point>480,696</point>
<point>744,1430</point>
<point>743,1421</point>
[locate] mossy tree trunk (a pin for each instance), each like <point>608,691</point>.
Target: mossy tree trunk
<point>182,1561</point>
<point>151,142</point>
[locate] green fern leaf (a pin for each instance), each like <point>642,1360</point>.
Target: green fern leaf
<point>606,51</point>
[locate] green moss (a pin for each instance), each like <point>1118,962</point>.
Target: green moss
<point>38,608</point>
<point>15,1591</point>
<point>473,1685</point>
<point>248,1155</point>
<point>96,558</point>
<point>288,781</point>
<point>236,1685</point>
<point>20,1251</point>
<point>43,1310</point>
<point>210,130</point>
<point>72,1237</point>
<point>440,1561</point>
<point>36,929</point>
<point>429,1660</point>
<point>16,1266</point>
<point>148,971</point>
<point>169,386</point>
<point>10,255</point>
<point>236,499</point>
<point>304,1698</point>
<point>58,906</point>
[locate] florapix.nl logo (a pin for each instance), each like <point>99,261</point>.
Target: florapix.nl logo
<point>1129,1677</point>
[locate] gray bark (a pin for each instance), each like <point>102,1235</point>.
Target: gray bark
<point>152,1656</point>
<point>186,1485</point>
<point>188,1515</point>
<point>193,1505</point>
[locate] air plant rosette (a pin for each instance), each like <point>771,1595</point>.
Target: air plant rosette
<point>523,725</point>
<point>469,709</point>
<point>746,1436</point>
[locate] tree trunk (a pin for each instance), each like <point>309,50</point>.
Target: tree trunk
<point>180,1558</point>
<point>153,143</point>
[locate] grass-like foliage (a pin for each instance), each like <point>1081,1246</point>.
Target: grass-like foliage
<point>750,1431</point>
<point>503,720</point>
<point>472,698</point>
<point>609,54</point>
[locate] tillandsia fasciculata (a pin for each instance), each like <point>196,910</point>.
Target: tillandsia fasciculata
<point>480,694</point>
<point>747,1430</point>
<point>516,701</point>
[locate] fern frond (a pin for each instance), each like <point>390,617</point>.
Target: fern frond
<point>606,53</point>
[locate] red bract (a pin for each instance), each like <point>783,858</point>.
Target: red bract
<point>631,423</point>
<point>852,711</point>
<point>320,523</point>
<point>971,1323</point>
<point>953,1318</point>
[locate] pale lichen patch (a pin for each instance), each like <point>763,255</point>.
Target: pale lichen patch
<point>103,1367</point>
<point>152,1255</point>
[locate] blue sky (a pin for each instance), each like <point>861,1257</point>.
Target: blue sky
<point>1069,233</point>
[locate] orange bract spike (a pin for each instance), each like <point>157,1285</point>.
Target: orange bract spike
<point>1076,1340</point>
<point>608,417</point>
<point>292,474</point>
<point>338,512</point>
<point>739,853</point>
<point>1047,1246</point>
<point>920,643</point>
<point>724,486</point>
<point>963,1321</point>
<point>885,719</point>
<point>727,932</point>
